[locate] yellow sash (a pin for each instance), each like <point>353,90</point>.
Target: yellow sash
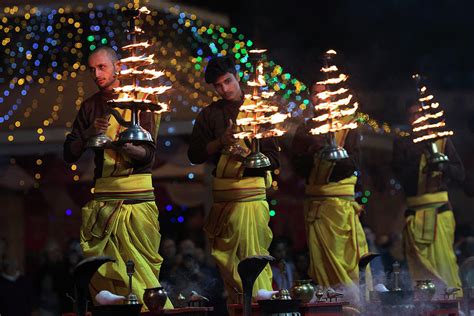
<point>133,187</point>
<point>239,190</point>
<point>425,218</point>
<point>111,192</point>
<point>344,189</point>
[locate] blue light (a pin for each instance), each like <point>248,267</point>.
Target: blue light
<point>23,92</point>
<point>10,112</point>
<point>1,119</point>
<point>180,219</point>
<point>6,117</point>
<point>190,175</point>
<point>68,212</point>
<point>35,45</point>
<point>6,93</point>
<point>167,143</point>
<point>171,130</point>
<point>15,107</point>
<point>169,207</point>
<point>37,63</point>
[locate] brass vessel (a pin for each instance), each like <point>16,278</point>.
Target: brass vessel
<point>424,290</point>
<point>302,290</point>
<point>155,299</point>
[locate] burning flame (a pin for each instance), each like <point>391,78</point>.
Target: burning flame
<point>143,59</point>
<point>335,102</point>
<point>145,90</point>
<point>141,45</point>
<point>260,110</point>
<point>132,95</point>
<point>430,125</point>
<point>144,10</point>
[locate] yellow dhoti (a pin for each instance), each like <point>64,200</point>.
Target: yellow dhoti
<point>237,227</point>
<point>428,240</point>
<point>123,231</point>
<point>429,232</point>
<point>335,236</point>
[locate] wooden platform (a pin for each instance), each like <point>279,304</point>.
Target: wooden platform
<point>183,311</point>
<point>446,307</point>
<point>310,309</point>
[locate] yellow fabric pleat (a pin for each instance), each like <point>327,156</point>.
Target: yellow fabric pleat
<point>428,236</point>
<point>335,236</point>
<point>131,232</point>
<point>435,260</point>
<point>424,222</point>
<point>336,240</point>
<point>237,230</point>
<point>237,225</point>
<point>122,231</point>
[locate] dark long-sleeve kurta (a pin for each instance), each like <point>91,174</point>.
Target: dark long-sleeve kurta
<point>211,123</point>
<point>95,107</point>
<point>306,145</point>
<point>406,161</point>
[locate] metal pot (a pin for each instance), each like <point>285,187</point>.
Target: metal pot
<point>302,290</point>
<point>424,290</point>
<point>155,299</point>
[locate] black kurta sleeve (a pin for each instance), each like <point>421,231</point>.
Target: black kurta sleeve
<point>302,151</point>
<point>200,137</point>
<point>76,140</point>
<point>405,165</point>
<point>454,169</point>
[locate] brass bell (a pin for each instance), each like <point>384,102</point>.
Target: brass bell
<point>256,159</point>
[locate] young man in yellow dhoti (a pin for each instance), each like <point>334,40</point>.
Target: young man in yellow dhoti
<point>237,226</point>
<point>122,219</point>
<point>336,240</point>
<point>428,235</point>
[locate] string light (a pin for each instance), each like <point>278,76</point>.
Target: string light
<point>45,49</point>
